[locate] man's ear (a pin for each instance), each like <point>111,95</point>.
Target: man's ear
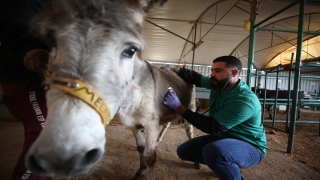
<point>234,72</point>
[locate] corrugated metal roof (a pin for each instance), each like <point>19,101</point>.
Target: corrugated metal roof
<point>220,25</point>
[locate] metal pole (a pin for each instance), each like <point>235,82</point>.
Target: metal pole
<point>297,76</point>
<point>255,81</point>
<point>169,31</point>
<point>265,94</point>
<point>288,30</point>
<point>289,90</point>
<point>278,12</point>
<point>276,98</point>
<point>194,46</point>
<point>251,40</point>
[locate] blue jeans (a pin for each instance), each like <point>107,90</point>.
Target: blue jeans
<point>223,156</point>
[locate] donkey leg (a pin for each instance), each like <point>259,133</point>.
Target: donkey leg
<point>286,110</point>
<point>163,131</point>
<point>194,105</point>
<point>189,130</point>
<point>150,154</point>
<point>299,113</point>
<point>138,132</point>
<point>270,110</point>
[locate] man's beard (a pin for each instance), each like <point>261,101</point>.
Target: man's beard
<point>216,84</point>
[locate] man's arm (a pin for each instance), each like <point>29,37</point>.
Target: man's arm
<point>187,75</point>
<point>204,123</point>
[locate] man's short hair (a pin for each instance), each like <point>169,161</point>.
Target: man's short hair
<point>231,62</point>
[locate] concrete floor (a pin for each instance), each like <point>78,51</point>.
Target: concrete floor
<point>12,136</point>
<point>11,141</point>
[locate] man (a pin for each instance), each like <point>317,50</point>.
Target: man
<point>22,57</point>
<point>236,137</point>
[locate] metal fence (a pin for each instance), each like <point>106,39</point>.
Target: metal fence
<point>308,82</point>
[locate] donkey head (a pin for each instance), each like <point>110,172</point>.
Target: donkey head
<point>96,45</point>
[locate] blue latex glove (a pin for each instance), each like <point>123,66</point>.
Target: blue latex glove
<point>171,99</point>
<point>166,67</point>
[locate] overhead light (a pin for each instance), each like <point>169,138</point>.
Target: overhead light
<point>247,25</point>
<point>193,48</point>
<point>197,45</point>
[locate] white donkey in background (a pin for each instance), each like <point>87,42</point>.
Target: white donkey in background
<point>96,73</point>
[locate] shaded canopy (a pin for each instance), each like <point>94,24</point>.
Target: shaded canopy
<point>216,28</point>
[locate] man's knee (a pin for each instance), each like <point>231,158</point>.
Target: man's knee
<point>181,153</point>
<point>213,153</point>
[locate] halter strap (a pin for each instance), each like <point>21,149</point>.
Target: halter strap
<point>82,91</point>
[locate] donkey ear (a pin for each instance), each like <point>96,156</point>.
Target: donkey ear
<point>148,5</point>
<point>40,27</point>
<point>37,26</point>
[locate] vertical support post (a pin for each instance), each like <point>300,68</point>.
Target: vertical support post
<point>289,96</point>
<point>256,81</point>
<point>194,45</point>
<point>276,98</point>
<point>251,40</point>
<point>297,76</point>
<point>264,95</point>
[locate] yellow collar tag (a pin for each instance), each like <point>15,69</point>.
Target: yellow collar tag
<point>80,90</point>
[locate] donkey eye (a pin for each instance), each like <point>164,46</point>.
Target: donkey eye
<point>128,53</point>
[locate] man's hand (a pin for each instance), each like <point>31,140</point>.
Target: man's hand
<point>171,99</point>
<point>172,68</point>
<point>36,60</point>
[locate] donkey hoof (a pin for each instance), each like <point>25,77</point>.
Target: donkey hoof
<point>138,177</point>
<point>197,166</point>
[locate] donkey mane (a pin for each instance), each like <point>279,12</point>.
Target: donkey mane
<point>77,13</point>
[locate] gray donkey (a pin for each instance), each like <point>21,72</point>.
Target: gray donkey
<point>97,73</point>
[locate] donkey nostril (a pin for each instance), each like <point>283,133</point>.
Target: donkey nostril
<point>82,160</point>
<point>34,166</point>
<point>92,156</point>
